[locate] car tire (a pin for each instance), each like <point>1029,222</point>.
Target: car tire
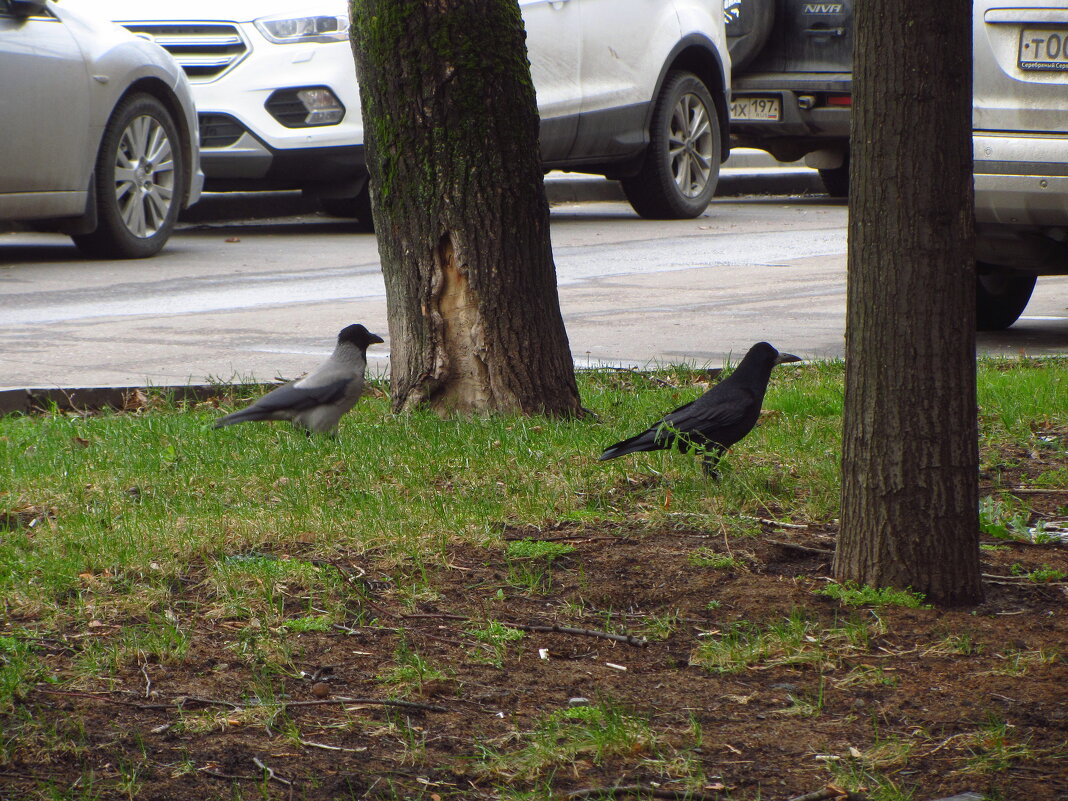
<point>358,207</point>
<point>748,25</point>
<point>836,179</point>
<point>139,182</point>
<point>1001,295</point>
<point>681,167</point>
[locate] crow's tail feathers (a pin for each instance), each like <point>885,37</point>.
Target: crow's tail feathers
<point>645,441</point>
<point>242,416</point>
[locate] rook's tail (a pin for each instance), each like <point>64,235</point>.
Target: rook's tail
<point>644,441</point>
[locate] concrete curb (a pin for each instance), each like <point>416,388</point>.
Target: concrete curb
<point>746,172</point>
<point>570,188</point>
<point>91,399</point>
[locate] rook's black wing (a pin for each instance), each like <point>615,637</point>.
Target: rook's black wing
<point>720,417</point>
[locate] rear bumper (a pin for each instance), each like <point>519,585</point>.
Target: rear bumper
<point>1021,200</point>
<point>1021,180</point>
<point>808,123</point>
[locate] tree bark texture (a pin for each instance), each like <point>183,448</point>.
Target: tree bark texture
<point>451,133</point>
<point>910,439</point>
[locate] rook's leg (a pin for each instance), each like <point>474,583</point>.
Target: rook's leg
<point>710,462</point>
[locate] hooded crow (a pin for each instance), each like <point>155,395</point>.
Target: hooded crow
<point>317,401</point>
<point>717,419</point>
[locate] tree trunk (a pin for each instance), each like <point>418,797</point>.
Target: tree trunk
<point>451,132</point>
<point>910,493</point>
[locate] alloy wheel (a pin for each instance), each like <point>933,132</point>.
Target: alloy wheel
<point>691,143</point>
<point>144,176</point>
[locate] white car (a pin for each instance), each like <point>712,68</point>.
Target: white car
<point>631,89</point>
<point>99,131</point>
<point>1020,149</point>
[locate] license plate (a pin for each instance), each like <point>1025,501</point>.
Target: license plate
<point>1044,49</point>
<point>765,109</point>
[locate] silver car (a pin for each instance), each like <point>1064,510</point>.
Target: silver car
<point>99,137</point>
<point>1020,144</point>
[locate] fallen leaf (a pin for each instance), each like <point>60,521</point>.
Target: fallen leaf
<point>134,401</point>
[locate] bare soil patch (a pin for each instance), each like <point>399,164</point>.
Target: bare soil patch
<point>968,700</point>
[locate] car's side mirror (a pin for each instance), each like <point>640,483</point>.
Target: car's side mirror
<point>26,8</point>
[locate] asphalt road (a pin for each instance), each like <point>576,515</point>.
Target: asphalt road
<point>234,297</point>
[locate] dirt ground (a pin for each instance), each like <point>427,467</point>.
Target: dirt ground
<point>977,697</point>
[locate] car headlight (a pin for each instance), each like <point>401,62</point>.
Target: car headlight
<point>293,30</point>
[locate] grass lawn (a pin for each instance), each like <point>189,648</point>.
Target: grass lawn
<point>477,608</point>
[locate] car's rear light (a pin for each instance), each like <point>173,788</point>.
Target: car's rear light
<point>305,107</point>
<point>839,100</point>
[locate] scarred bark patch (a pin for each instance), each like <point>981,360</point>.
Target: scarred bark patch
<point>460,368</point>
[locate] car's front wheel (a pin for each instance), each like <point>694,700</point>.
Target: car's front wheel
<point>681,167</point>
<point>140,182</point>
<point>1001,295</point>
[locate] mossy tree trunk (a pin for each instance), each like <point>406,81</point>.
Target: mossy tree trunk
<point>910,442</point>
<point>451,131</point>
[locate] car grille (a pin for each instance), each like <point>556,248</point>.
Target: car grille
<point>219,130</point>
<point>287,109</point>
<point>204,50</point>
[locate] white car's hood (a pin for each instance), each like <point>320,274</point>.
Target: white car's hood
<point>201,10</point>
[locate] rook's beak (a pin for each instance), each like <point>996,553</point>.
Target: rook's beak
<point>787,357</point>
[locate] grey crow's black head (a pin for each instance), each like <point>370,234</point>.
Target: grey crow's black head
<point>357,335</point>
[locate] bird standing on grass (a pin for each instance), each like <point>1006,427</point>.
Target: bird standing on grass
<point>317,401</point>
<point>717,419</point>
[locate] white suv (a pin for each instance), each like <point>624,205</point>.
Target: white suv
<point>1020,147</point>
<point>632,89</point>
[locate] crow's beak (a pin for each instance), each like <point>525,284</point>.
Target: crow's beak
<point>373,338</point>
<point>787,357</point>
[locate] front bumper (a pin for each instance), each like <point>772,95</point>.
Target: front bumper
<point>247,163</point>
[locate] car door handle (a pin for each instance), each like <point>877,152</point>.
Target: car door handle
<point>825,31</point>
